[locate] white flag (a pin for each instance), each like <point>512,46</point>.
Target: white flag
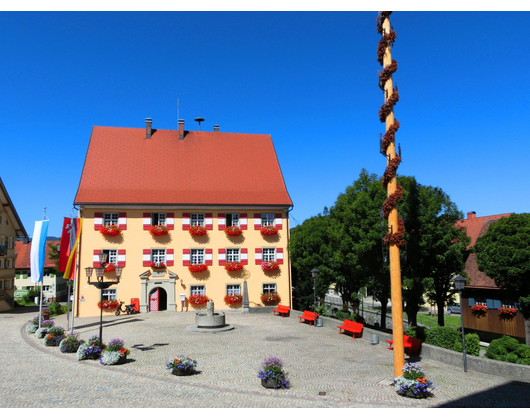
<point>38,250</point>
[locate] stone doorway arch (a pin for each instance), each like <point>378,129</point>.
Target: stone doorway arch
<point>165,283</point>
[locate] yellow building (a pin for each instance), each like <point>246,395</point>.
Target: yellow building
<point>183,182</point>
<point>10,228</point>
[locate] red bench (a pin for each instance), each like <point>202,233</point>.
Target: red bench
<point>409,343</point>
<point>281,309</point>
<point>309,316</point>
<point>351,326</point>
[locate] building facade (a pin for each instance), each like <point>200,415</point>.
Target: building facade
<point>170,197</point>
<point>10,228</point>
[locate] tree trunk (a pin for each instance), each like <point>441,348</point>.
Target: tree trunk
<point>441,319</point>
<point>527,330</point>
<point>412,314</point>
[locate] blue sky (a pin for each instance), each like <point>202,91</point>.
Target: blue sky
<point>307,78</point>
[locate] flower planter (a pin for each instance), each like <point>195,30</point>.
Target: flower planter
<point>507,313</point>
<point>269,266</point>
<point>268,383</point>
<point>269,299</point>
<point>158,230</point>
<point>197,268</point>
<point>183,372</point>
<point>158,266</point>
<point>109,304</point>
<point>198,231</point>
<point>268,230</point>
<point>110,230</point>
<point>233,230</point>
<point>181,366</point>
<point>233,299</point>
<point>198,300</point>
<point>479,310</point>
<point>109,267</point>
<point>234,266</point>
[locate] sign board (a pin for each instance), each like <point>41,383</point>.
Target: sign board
<point>182,298</point>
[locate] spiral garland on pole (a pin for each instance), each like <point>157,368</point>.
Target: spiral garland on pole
<point>386,41</point>
<point>395,238</point>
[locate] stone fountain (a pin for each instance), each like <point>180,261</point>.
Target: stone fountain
<point>210,321</point>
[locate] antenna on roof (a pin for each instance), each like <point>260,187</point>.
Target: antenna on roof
<point>199,120</point>
<point>178,108</point>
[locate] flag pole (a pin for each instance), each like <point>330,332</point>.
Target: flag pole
<point>76,268</point>
<point>68,288</point>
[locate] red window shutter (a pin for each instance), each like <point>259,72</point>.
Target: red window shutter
<point>147,258</point>
<point>98,221</point>
<point>278,217</point>
<point>208,221</point>
<point>222,256</point>
<point>95,259</point>
<point>243,221</point>
<point>147,221</point>
<point>257,221</point>
<point>258,256</point>
<point>185,221</point>
<point>186,254</point>
<point>170,221</point>
<point>208,256</point>
<point>122,221</point>
<point>170,257</point>
<point>244,256</point>
<point>279,255</point>
<point>121,257</point>
<point>221,221</point>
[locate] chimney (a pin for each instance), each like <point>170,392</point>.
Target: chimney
<point>148,122</point>
<point>471,214</point>
<point>216,128</point>
<point>181,129</point>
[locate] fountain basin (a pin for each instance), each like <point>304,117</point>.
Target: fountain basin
<point>210,323</point>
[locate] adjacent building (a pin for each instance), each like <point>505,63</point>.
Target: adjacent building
<point>10,228</point>
<point>159,204</point>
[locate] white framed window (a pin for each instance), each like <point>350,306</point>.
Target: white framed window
<point>197,219</point>
<point>10,243</point>
<point>46,288</point>
<point>268,254</point>
<point>267,219</point>
<point>158,256</point>
<point>110,219</point>
<point>233,255</point>
<point>112,255</point>
<point>269,287</point>
<point>232,219</point>
<point>233,289</point>
<point>198,290</point>
<point>159,219</point>
<point>110,294</point>
<point>197,256</point>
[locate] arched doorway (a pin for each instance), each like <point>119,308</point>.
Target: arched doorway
<point>157,300</point>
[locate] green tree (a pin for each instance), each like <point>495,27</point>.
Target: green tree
<point>53,254</point>
<point>503,253</point>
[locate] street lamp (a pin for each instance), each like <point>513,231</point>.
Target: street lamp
<point>459,283</point>
<point>101,285</point>
<point>314,273</point>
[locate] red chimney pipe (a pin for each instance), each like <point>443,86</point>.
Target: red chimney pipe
<point>181,129</point>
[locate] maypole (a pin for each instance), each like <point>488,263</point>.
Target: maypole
<point>395,238</point>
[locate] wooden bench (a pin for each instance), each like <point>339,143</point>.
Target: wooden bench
<point>351,326</point>
<point>309,316</point>
<point>281,309</point>
<point>409,343</point>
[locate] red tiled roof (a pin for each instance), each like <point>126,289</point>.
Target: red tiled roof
<point>122,166</point>
<point>476,227</point>
<point>23,252</point>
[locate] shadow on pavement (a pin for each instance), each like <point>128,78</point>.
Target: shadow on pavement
<point>107,323</point>
<point>514,394</point>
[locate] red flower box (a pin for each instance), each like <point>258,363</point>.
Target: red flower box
<point>109,304</point>
<point>507,313</point>
<point>269,265</point>
<point>272,298</point>
<point>158,265</point>
<point>234,266</point>
<point>233,230</point>
<point>109,267</point>
<point>479,309</point>
<point>198,299</point>
<point>197,268</point>
<point>233,299</point>
<point>269,230</point>
<point>158,230</point>
<point>110,230</point>
<point>198,231</point>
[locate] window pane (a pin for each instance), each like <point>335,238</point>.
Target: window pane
<point>267,219</point>
<point>109,294</point>
<point>158,255</point>
<point>197,219</point>
<point>268,254</point>
<point>158,219</point>
<point>197,290</point>
<point>197,256</point>
<point>233,289</point>
<point>110,219</point>
<point>232,219</point>
<point>270,287</point>
<point>232,255</point>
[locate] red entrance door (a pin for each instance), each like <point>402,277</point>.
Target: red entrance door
<point>153,300</point>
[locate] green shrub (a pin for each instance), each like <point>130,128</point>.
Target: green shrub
<point>472,344</point>
<point>342,315</point>
<point>501,347</point>
<point>444,337</point>
<point>56,308</point>
<point>416,332</point>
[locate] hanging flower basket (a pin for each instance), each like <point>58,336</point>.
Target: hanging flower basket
<point>269,265</point>
<point>198,231</point>
<point>197,300</point>
<point>197,268</point>
<point>110,267</point>
<point>269,230</point>
<point>507,313</point>
<point>233,299</point>
<point>109,304</point>
<point>158,230</point>
<point>234,266</point>
<point>479,309</point>
<point>110,230</point>
<point>270,298</point>
<point>158,265</point>
<point>233,230</point>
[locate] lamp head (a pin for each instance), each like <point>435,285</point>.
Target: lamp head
<point>460,283</point>
<point>314,272</point>
<point>89,271</point>
<point>103,258</point>
<point>118,271</point>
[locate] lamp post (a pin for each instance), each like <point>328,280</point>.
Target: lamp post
<point>459,283</point>
<point>101,285</point>
<point>314,273</point>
